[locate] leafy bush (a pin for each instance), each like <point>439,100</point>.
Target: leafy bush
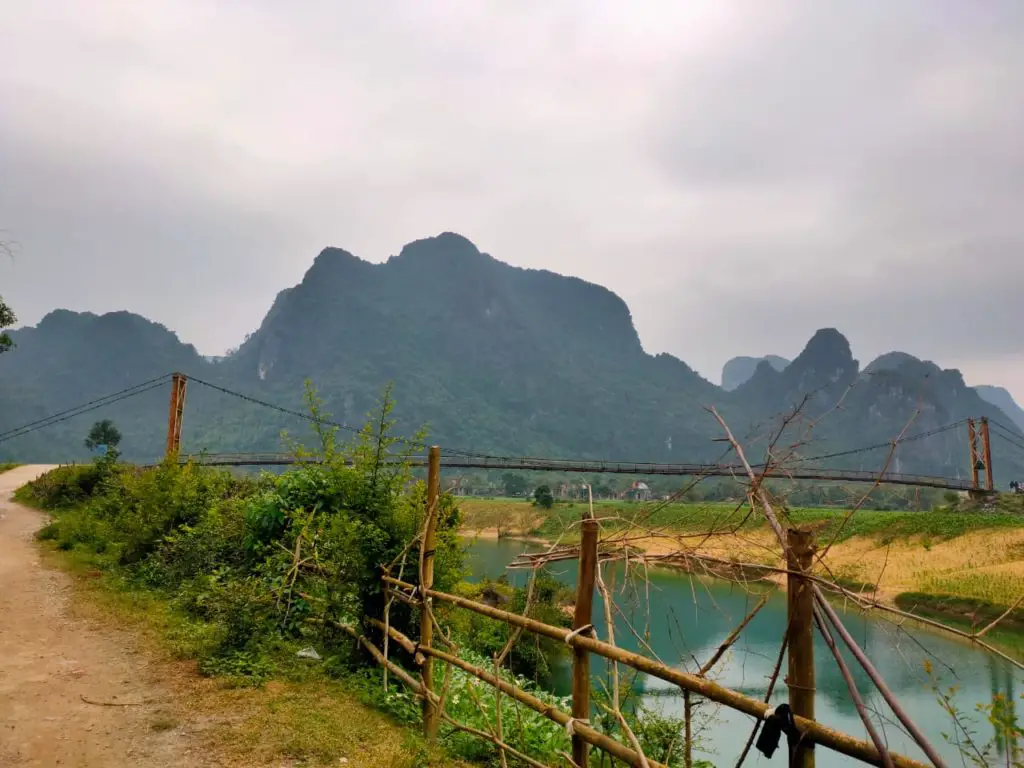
<point>532,655</point>
<point>263,562</point>
<point>543,497</point>
<point>63,488</point>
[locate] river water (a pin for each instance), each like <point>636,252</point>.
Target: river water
<point>690,617</point>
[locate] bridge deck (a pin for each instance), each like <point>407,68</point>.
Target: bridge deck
<point>616,467</point>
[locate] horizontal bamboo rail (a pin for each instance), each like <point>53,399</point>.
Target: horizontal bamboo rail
<point>816,732</point>
<point>584,731</point>
<point>381,659</point>
<point>408,645</point>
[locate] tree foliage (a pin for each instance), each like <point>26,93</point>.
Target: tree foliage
<point>103,433</point>
<point>513,484</point>
<point>7,319</point>
<point>543,497</point>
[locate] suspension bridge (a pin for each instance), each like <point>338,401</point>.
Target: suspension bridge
<point>979,431</point>
<point>531,464</point>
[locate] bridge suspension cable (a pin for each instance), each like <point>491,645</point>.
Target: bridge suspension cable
<point>328,422</point>
<point>1006,435</point>
<point>1014,432</point>
<point>78,410</point>
<point>888,444</point>
<point>477,459</point>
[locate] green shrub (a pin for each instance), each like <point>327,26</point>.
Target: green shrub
<point>532,655</point>
<point>64,487</point>
<point>260,562</point>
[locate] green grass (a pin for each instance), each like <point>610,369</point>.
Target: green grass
<point>5,467</point>
<point>293,717</point>
<point>969,615</point>
<point>692,518</point>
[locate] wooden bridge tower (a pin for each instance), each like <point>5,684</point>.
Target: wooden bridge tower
<point>980,460</point>
<point>179,383</point>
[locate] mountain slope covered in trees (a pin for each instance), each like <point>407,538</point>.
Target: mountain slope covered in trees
<point>492,358</point>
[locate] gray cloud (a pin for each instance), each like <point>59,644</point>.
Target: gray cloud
<point>741,173</point>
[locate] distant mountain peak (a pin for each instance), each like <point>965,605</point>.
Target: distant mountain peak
<point>447,246</point>
<point>332,255</point>
<point>828,353</point>
<point>890,361</point>
<point>827,343</point>
<point>333,263</point>
<point>738,370</point>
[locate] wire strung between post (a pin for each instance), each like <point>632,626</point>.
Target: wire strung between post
<point>876,446</point>
<point>330,422</point>
<point>78,410</point>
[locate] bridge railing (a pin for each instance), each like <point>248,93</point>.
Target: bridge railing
<point>537,464</point>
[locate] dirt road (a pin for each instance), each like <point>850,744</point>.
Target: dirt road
<point>50,659</point>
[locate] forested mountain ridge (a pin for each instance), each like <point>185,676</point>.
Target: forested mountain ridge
<point>493,358</point>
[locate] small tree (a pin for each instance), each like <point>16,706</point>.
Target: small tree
<point>103,433</point>
<point>7,319</point>
<point>543,497</point>
<point>513,484</point>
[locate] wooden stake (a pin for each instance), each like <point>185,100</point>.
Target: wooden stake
<point>687,730</point>
<point>851,686</point>
<point>430,712</point>
<point>800,595</point>
<point>912,730</point>
<point>582,617</point>
<point>987,448</point>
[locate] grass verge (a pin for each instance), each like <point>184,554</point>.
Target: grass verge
<point>970,615</point>
<point>6,467</point>
<point>301,717</point>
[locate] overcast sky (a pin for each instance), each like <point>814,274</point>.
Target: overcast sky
<point>740,173</point>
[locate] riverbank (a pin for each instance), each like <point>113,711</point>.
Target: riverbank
<point>967,566</point>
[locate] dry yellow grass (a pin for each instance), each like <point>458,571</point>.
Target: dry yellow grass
<point>493,517</point>
<point>983,565</point>
<point>986,563</point>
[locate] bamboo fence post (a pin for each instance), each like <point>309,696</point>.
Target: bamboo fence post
<point>430,711</point>
<point>688,730</point>
<point>582,617</point>
<point>800,597</point>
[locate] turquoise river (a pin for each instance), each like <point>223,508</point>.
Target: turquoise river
<point>688,619</point>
